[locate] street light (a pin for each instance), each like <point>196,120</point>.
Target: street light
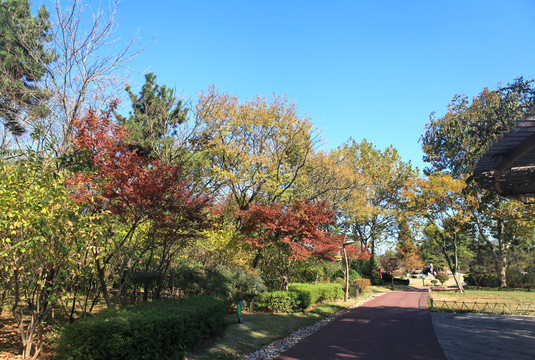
<point>346,242</point>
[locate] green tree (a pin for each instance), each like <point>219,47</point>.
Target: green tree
<point>369,214</point>
<point>23,60</point>
<point>439,200</point>
<point>454,143</point>
<point>257,149</point>
<point>39,241</point>
<point>153,122</point>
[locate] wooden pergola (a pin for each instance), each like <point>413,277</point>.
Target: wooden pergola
<point>508,165</point>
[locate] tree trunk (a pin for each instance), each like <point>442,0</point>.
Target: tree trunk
<point>346,287</point>
<point>103,286</point>
<point>372,257</point>
<point>502,255</point>
<point>453,267</point>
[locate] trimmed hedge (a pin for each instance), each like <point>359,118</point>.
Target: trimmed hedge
<point>311,294</point>
<point>299,297</point>
<point>164,329</point>
<point>442,277</point>
<point>278,301</point>
<point>482,280</point>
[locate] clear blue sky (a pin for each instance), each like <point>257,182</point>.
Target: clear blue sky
<point>361,69</point>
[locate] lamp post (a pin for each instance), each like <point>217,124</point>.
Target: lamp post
<point>346,242</point>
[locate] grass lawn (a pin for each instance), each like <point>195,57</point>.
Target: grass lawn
<point>491,296</point>
<point>260,329</point>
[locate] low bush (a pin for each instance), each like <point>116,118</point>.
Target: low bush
<point>515,278</point>
<point>234,284</point>
<point>376,279</point>
<point>310,294</point>
<point>529,280</point>
<point>299,297</point>
<point>278,302</point>
<point>164,329</point>
<point>442,277</point>
<point>353,275</point>
<point>363,283</point>
<point>481,280</point>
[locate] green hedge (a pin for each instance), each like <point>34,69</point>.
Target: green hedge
<point>482,280</point>
<point>164,329</point>
<point>311,294</point>
<point>298,298</point>
<point>278,301</point>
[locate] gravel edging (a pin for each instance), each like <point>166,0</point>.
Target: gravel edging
<point>275,348</point>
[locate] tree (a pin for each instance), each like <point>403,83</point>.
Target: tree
<point>369,214</point>
<point>455,142</point>
<point>256,150</point>
<point>74,64</point>
<point>407,251</point>
<point>297,231</point>
<point>39,241</point>
<point>23,60</point>
<point>154,120</point>
<point>439,199</point>
<point>111,178</point>
<point>503,224</point>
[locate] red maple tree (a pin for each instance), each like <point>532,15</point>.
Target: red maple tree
<point>109,176</point>
<point>302,225</point>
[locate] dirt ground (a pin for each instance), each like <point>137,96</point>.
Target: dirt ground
<point>418,282</point>
<point>10,340</point>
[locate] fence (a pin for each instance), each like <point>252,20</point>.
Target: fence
<point>481,307</point>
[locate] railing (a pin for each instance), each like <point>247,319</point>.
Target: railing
<point>481,307</point>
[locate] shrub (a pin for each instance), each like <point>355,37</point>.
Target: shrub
<point>529,280</point>
<point>244,286</point>
<point>515,278</point>
<point>310,294</point>
<point>157,330</point>
<point>376,279</point>
<point>482,280</point>
<point>442,277</point>
<point>353,275</point>
<point>363,283</point>
<point>278,301</point>
<point>233,284</point>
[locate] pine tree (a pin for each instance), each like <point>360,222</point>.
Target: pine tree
<point>154,120</point>
<point>23,60</point>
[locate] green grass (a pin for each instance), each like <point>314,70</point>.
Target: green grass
<point>484,296</point>
<point>260,329</point>
<point>487,295</point>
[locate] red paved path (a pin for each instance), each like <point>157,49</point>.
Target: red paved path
<point>392,326</point>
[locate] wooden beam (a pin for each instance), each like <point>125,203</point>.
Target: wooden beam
<point>518,152</point>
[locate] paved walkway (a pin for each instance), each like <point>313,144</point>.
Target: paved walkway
<point>485,337</point>
<point>393,326</point>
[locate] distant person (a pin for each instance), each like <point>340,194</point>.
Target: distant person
<point>423,279</point>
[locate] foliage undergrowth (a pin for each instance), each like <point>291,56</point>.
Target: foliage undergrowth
<point>298,298</point>
<point>164,329</point>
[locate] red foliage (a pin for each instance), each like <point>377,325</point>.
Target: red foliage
<point>355,253</point>
<point>119,180</point>
<point>302,225</point>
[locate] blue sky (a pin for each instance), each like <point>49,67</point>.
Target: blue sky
<point>361,69</point>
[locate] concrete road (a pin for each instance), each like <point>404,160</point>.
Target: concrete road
<point>485,337</point>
